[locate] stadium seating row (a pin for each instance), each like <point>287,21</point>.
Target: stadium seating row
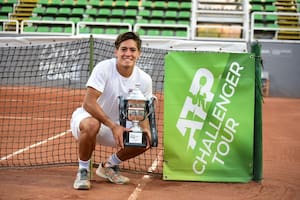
<point>112,16</point>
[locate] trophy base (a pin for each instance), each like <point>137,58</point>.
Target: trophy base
<point>134,139</point>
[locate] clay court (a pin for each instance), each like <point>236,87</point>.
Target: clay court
<point>281,175</point>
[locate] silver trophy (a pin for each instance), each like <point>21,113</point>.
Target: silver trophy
<point>135,108</point>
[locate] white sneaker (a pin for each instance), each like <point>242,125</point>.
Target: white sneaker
<point>111,174</point>
<point>82,181</point>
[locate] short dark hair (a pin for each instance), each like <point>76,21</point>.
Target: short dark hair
<point>127,36</point>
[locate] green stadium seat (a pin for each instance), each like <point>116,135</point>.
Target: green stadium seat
<point>35,18</point>
<point>48,18</point>
<point>85,30</point>
<point>107,3</point>
<point>39,10</point>
<point>117,12</point>
<point>258,25</point>
<point>258,17</point>
<point>173,5</point>
<point>43,2</point>
<point>186,5</point>
<point>51,11</point>
<point>155,21</point>
<point>167,33</point>
<point>171,14</point>
<point>56,29</point>
<point>180,33</point>
<point>104,12</point>
<point>153,32</point>
<point>271,17</point>
<point>257,7</point>
<point>101,19</point>
<point>184,21</point>
<point>129,20</point>
<point>157,13</point>
<point>77,11</point>
<point>6,9</point>
<point>55,3</point>
<point>82,3</point>
<point>111,31</point>
<point>159,4</point>
<point>42,29</point>
<point>61,19</point>
<point>98,30</point>
<point>270,8</point>
<point>147,4</point>
<point>67,3</point>
<point>144,13</point>
<point>68,30</point>
<point>120,4</point>
<point>94,3</point>
<point>184,14</point>
<point>130,12</point>
<point>141,32</point>
<point>142,21</point>
<point>29,29</point>
<point>88,19</point>
<point>169,21</point>
<point>133,4</point>
<point>64,11</point>
<point>3,16</point>
<point>75,19</point>
<point>115,20</point>
<point>272,25</point>
<point>92,12</point>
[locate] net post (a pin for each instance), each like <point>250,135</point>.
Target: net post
<point>91,45</point>
<point>257,146</point>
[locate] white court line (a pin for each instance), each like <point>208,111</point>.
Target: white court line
<point>34,145</point>
<point>34,118</point>
<point>134,195</point>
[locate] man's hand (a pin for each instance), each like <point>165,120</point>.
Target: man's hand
<point>118,132</point>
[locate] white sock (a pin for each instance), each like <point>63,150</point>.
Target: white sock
<point>84,164</point>
<point>112,161</point>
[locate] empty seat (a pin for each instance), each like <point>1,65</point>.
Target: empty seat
<point>173,5</point>
<point>104,12</point>
<point>82,3</point>
<point>39,10</point>
<point>159,4</point>
<point>51,10</point>
<point>92,11</point>
<point>117,12</point>
<point>130,12</point>
<point>64,11</point>
<point>171,14</point>
<point>157,13</point>
<point>144,13</point>
<point>77,11</point>
<point>184,14</point>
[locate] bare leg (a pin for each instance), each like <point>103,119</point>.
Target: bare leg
<point>88,131</point>
<point>130,152</point>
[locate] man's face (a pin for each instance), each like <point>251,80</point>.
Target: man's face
<point>127,54</point>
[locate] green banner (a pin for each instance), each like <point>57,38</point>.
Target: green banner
<point>209,116</point>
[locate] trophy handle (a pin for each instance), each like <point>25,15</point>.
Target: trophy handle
<point>122,114</point>
<point>152,122</point>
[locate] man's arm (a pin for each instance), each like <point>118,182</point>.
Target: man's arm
<point>90,105</point>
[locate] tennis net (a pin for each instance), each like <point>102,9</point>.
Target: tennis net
<point>40,87</point>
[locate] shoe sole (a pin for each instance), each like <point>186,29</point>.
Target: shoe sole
<point>107,178</point>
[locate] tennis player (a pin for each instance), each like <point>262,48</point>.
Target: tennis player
<point>97,120</point>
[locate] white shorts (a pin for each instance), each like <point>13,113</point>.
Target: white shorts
<point>104,137</point>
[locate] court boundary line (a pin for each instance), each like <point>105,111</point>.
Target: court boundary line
<point>146,178</point>
<point>35,145</point>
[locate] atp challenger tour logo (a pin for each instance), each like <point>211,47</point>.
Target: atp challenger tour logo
<point>205,113</point>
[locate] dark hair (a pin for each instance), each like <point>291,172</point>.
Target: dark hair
<point>127,36</point>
